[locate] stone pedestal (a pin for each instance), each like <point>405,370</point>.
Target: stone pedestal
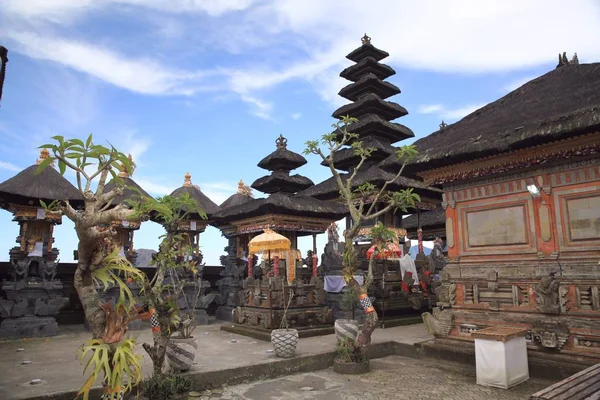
<point>30,326</point>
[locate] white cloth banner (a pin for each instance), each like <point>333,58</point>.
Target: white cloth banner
<point>336,283</point>
<point>38,249</point>
<point>407,264</point>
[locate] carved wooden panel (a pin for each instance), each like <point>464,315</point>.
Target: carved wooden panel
<point>497,227</point>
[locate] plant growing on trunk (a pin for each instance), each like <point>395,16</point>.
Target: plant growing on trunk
<point>365,202</point>
<point>171,261</point>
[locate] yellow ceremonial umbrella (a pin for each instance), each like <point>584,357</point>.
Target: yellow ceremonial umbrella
<point>267,241</point>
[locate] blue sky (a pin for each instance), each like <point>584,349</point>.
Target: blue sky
<point>207,86</point>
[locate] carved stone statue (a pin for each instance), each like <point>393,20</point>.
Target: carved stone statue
<point>440,323</point>
<point>547,296</point>
<point>48,269</point>
<point>437,261</point>
<point>20,268</point>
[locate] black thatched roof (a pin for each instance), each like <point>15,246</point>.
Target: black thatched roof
<point>328,189</point>
<point>48,185</point>
<point>235,200</point>
<point>373,125</point>
<point>282,181</point>
<point>282,159</point>
<point>281,203</point>
<point>367,65</point>
<point>428,219</point>
<point>562,103</point>
<point>367,50</point>
<point>369,83</point>
<point>371,104</point>
<point>204,203</point>
<point>345,159</point>
<point>129,191</point>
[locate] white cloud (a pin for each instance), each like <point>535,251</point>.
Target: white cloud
<point>296,115</point>
<point>10,167</point>
<point>153,188</point>
<point>259,108</point>
<point>449,113</point>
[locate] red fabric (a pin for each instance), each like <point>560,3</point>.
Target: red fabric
<point>276,265</point>
<point>314,265</point>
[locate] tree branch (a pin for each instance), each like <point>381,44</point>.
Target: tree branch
<point>385,186</point>
<point>70,212</point>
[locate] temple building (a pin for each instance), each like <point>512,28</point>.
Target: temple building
<point>376,130</point>
<point>521,182</point>
<point>261,302</point>
<point>33,296</point>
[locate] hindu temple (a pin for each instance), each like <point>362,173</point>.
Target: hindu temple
<point>34,295</point>
<point>276,273</point>
<point>375,128</point>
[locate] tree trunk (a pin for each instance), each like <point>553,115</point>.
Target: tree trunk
<point>157,352</point>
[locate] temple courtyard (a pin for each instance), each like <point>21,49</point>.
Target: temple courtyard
<point>231,366</point>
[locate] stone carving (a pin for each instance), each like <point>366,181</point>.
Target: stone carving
<point>48,269</point>
<point>492,281</point>
<point>551,335</point>
<point>547,296</point>
<point>440,323</point>
<point>20,268</point>
<point>436,258</point>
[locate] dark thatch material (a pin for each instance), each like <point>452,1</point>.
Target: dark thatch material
<point>367,65</point>
<point>282,181</point>
<point>367,50</point>
<point>235,200</point>
<point>371,104</point>
<point>48,185</point>
<point>328,189</point>
<point>282,159</point>
<point>345,159</point>
<point>429,219</point>
<point>281,203</point>
<point>373,125</point>
<point>129,191</point>
<point>204,203</point>
<point>562,103</point>
<point>369,83</point>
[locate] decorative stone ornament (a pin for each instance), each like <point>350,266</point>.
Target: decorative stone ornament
<point>346,328</point>
<point>284,342</point>
<point>181,353</point>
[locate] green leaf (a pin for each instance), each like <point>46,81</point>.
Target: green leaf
<point>44,164</point>
<point>62,167</point>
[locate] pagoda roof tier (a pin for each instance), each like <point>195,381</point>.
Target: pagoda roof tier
<point>282,181</point>
<point>371,104</point>
<point>28,187</point>
<point>282,159</point>
<point>367,65</point>
<point>557,105</point>
<point>429,219</point>
<point>367,50</point>
<point>204,203</point>
<point>243,195</point>
<point>328,189</point>
<point>373,125</point>
<point>283,204</point>
<point>131,190</point>
<point>346,159</point>
<point>371,84</point>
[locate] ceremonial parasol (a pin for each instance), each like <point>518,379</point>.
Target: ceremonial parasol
<point>268,241</point>
<point>391,250</point>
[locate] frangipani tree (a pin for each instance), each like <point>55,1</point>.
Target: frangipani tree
<point>365,203</point>
<point>109,354</point>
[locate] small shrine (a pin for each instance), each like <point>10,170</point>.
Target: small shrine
<point>233,263</point>
<point>395,292</point>
<point>125,229</point>
<point>191,228</point>
<point>270,280</point>
<point>34,296</point>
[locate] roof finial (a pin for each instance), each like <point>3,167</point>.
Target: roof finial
<point>563,60</point>
<point>44,154</point>
<point>124,173</point>
<point>241,187</point>
<point>365,39</point>
<point>443,125</point>
<point>187,180</point>
<point>281,142</point>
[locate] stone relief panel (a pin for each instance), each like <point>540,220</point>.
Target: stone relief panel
<point>497,227</point>
<point>584,218</point>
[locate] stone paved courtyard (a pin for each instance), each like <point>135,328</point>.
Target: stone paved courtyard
<point>391,377</point>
